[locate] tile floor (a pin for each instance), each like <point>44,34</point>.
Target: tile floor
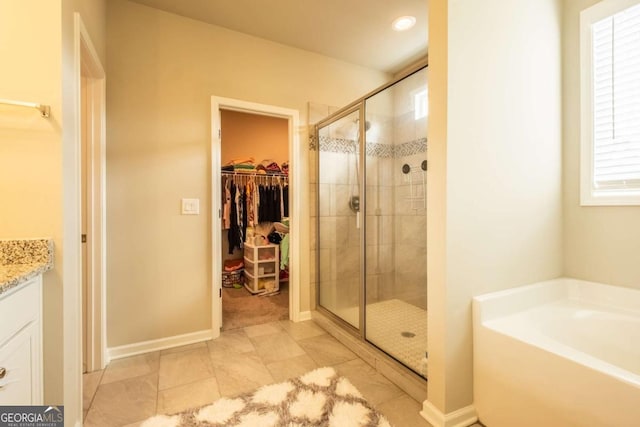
<point>130,390</point>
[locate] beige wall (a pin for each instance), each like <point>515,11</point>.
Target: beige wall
<point>503,196</point>
<point>162,71</point>
<point>31,153</point>
<point>30,185</point>
<point>602,243</point>
<point>253,135</point>
<point>36,49</point>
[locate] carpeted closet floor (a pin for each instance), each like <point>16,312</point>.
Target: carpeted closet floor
<point>240,308</point>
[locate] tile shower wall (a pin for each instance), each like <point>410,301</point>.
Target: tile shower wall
<point>380,222</point>
<point>410,274</point>
<point>396,225</point>
<point>339,240</point>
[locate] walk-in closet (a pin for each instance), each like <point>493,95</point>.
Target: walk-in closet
<point>255,202</point>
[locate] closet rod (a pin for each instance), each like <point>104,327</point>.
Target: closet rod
<point>258,175</point>
<point>45,110</point>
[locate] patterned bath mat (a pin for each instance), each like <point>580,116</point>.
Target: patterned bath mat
<point>318,398</point>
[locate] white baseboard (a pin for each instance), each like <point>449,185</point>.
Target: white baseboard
<point>304,315</point>
<point>463,417</point>
<point>159,344</point>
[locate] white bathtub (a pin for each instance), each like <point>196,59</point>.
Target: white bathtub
<point>558,353</point>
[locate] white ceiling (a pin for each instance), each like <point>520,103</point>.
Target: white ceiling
<point>357,31</point>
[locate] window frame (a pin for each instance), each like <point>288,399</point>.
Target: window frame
<point>589,195</point>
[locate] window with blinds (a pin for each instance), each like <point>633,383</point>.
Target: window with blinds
<point>612,103</point>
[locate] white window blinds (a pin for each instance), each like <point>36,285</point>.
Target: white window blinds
<point>616,101</point>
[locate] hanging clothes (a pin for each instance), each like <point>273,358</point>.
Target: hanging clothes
<point>245,215</point>
<point>235,241</point>
<point>226,204</point>
<point>284,252</point>
<point>277,197</point>
<point>256,204</point>
<point>263,202</point>
<point>240,214</point>
<point>270,209</point>
<point>280,189</point>
<point>251,212</point>
<point>285,198</point>
<point>263,209</point>
<point>249,204</point>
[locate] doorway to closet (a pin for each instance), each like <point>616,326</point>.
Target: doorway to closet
<point>254,214</point>
<point>255,218</point>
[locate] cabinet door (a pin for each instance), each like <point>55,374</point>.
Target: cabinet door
<point>19,307</point>
<point>17,358</point>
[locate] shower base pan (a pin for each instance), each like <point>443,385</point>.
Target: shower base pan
<point>398,328</point>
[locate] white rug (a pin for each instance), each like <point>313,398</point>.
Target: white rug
<point>318,398</point>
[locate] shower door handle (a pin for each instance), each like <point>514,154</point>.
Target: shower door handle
<point>358,220</point>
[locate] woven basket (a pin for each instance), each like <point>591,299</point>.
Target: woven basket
<point>230,278</point>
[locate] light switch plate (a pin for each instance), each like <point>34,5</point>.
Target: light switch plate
<point>190,206</point>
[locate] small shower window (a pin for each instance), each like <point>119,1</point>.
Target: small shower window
<point>420,104</point>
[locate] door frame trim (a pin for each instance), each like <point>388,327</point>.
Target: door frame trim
<point>96,183</point>
<point>83,53</point>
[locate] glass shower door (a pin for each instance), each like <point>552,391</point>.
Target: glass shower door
<point>339,174</point>
<point>396,221</point>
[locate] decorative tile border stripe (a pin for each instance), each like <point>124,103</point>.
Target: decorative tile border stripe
<point>348,146</point>
<point>338,145</point>
<point>384,151</point>
<point>410,148</point>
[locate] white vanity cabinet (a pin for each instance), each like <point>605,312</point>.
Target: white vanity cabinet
<point>21,344</point>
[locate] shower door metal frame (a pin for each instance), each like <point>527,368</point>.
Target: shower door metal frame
<point>342,113</point>
<point>357,105</point>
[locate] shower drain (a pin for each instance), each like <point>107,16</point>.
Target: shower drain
<point>408,334</point>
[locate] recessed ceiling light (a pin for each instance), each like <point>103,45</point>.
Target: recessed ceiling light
<point>403,23</point>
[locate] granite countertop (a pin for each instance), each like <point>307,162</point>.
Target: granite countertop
<point>23,259</point>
